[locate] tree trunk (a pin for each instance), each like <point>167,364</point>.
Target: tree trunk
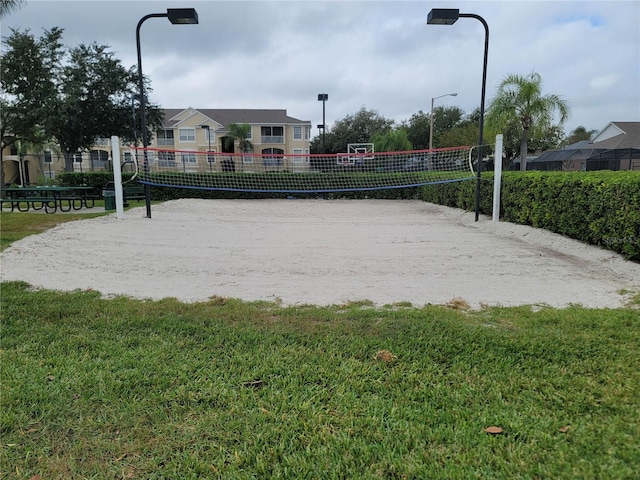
<point>68,162</point>
<point>523,151</point>
<point>2,175</point>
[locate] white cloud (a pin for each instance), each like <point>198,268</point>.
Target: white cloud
<point>377,54</point>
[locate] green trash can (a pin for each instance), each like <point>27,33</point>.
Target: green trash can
<point>109,195</point>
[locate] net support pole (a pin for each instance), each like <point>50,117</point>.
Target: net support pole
<point>117,176</point>
<point>497,178</point>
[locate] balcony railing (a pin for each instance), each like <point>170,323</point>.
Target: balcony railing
<point>272,139</point>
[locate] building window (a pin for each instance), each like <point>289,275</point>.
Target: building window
<point>297,155</point>
<point>48,158</point>
<point>209,136</point>
<point>307,132</point>
<point>249,134</point>
<point>272,157</point>
<point>272,134</point>
<point>166,159</point>
<point>164,137</point>
<point>187,134</point>
<point>297,132</point>
<point>98,158</point>
<point>189,158</point>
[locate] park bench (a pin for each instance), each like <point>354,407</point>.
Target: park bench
<point>49,198</point>
<point>130,191</point>
<point>133,191</point>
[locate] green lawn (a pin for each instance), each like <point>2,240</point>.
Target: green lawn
<point>121,388</point>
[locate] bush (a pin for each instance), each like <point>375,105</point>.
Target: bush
<point>599,207</point>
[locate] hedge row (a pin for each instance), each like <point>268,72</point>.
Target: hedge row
<point>600,207</point>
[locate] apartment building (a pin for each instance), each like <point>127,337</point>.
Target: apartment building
<point>278,140</point>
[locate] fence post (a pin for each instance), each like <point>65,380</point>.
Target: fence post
<point>497,178</point>
<point>117,176</point>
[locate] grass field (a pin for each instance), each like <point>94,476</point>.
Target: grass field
<point>122,388</point>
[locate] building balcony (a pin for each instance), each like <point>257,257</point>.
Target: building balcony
<point>272,139</point>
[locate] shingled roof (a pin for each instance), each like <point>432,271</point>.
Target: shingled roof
<point>629,136</point>
<point>619,136</point>
<point>226,116</point>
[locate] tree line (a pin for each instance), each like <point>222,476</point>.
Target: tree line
<point>71,95</point>
<point>77,95</point>
<point>519,110</point>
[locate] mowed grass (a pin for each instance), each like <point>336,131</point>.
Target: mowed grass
<point>122,388</point>
<point>14,225</point>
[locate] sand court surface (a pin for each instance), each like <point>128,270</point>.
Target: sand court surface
<point>320,252</point>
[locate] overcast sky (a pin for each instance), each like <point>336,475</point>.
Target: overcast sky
<point>380,55</point>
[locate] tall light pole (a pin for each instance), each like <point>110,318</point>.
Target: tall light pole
<point>323,97</point>
<point>208,129</point>
<point>431,117</point>
<point>449,16</point>
<point>177,16</point>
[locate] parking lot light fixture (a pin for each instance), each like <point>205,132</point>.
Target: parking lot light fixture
<point>449,16</point>
<point>431,117</point>
<point>177,16</point>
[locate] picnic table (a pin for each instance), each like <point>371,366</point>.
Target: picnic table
<point>49,198</point>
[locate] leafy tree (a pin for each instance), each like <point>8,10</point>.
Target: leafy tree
<point>356,128</point>
<point>519,102</point>
<point>74,96</point>
<point>579,134</point>
<point>548,139</point>
<point>445,119</point>
<point>28,86</point>
<point>465,134</point>
<point>8,6</point>
<point>392,141</point>
<point>417,128</point>
<point>419,125</point>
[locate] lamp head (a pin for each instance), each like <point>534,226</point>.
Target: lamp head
<point>443,16</point>
<point>182,16</point>
<point>323,97</point>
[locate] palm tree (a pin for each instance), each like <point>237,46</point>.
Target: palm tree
<point>519,101</point>
<point>238,133</point>
<point>8,6</point>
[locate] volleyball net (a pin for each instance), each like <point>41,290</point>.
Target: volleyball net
<point>357,169</point>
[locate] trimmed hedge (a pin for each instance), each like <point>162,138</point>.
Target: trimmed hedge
<point>598,207</point>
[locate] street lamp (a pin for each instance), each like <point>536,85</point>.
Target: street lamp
<point>323,97</point>
<point>431,117</point>
<point>208,129</point>
<point>449,16</point>
<point>177,16</point>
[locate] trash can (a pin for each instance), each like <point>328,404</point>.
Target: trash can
<point>109,194</point>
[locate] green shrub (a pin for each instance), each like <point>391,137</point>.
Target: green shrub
<point>599,207</point>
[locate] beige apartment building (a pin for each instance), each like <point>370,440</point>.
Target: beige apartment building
<point>279,142</point>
